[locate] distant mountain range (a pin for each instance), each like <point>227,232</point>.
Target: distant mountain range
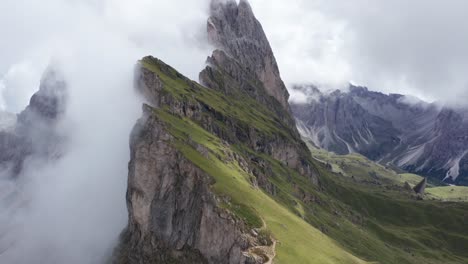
<point>394,129</point>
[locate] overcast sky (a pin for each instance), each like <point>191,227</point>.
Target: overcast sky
<point>413,47</point>
<point>416,47</point>
<point>35,33</point>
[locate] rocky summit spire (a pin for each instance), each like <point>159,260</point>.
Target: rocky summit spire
<point>49,102</point>
<point>234,29</point>
<point>35,132</point>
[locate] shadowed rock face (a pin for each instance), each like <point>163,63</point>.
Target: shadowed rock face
<point>173,214</point>
<point>418,137</point>
<point>421,187</point>
<point>35,132</point>
<point>234,29</point>
<point>339,124</point>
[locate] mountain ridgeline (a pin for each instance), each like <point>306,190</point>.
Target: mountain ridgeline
<point>412,135</point>
<point>201,155</point>
<point>219,173</point>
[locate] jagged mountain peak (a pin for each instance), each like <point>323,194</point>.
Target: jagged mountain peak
<point>233,28</point>
<point>49,101</point>
<point>35,132</point>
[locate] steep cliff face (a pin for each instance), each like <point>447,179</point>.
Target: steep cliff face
<point>174,215</point>
<point>35,134</point>
<point>194,140</point>
<point>234,29</point>
<point>176,210</point>
<point>415,136</point>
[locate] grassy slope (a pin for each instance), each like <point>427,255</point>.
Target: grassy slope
<point>364,169</point>
<point>449,193</point>
<point>298,242</point>
<point>374,224</point>
<point>418,227</point>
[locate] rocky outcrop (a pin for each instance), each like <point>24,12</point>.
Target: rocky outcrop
<point>413,135</point>
<point>35,133</point>
<point>173,214</point>
<point>420,188</point>
<point>234,29</point>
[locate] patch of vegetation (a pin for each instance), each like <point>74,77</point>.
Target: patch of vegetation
<point>244,110</point>
<point>449,193</point>
<point>412,179</point>
<point>265,236</point>
<point>245,213</point>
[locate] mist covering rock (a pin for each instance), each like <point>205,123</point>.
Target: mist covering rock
<point>35,132</point>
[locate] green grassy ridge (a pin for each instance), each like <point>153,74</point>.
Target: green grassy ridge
<point>419,226</point>
<point>412,179</point>
<point>361,168</point>
<point>244,109</point>
<point>358,218</point>
<point>298,242</point>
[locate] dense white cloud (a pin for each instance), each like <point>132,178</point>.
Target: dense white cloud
<point>34,32</point>
<point>411,47</point>
<point>414,47</point>
<point>72,210</point>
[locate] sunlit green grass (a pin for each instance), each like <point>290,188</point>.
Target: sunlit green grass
<point>298,241</point>
<point>449,193</point>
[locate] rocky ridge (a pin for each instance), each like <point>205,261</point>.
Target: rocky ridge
<point>415,136</point>
<point>175,213</point>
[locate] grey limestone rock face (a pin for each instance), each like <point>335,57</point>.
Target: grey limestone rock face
<point>234,29</point>
<point>173,214</point>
